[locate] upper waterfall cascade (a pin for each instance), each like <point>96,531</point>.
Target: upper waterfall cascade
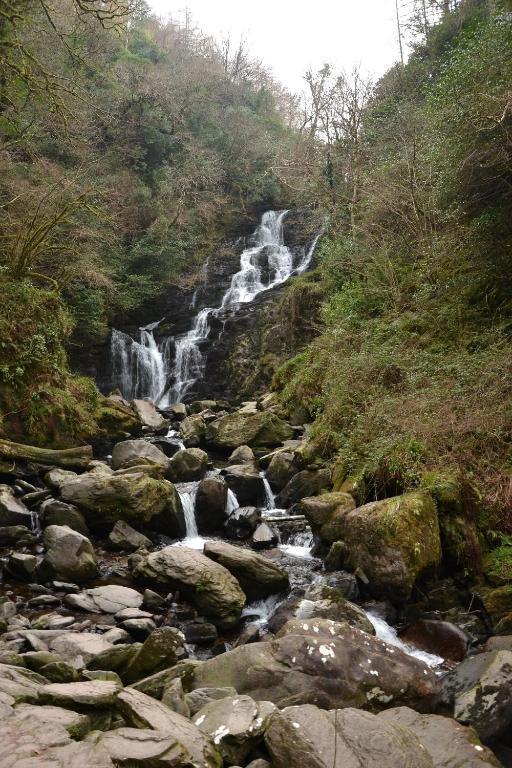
<point>146,369</point>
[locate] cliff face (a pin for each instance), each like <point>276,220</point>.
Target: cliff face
<point>245,345</point>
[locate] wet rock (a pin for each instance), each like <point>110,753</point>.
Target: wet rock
<point>147,747</point>
<point>69,555</point>
<point>242,523</point>
<point>258,576</point>
<point>135,498</point>
<point>480,689</point>
<point>22,566</point>
<point>449,744</point>
<point>262,428</point>
<point>92,693</point>
<point>132,453</point>
<point>439,637</point>
<point>55,512</point>
<point>236,725</point>
<point>187,465</point>
<point>108,599</point>
<point>264,537</point>
<point>321,512</point>
<point>242,455</point>
<point>323,663</point>
<point>199,633</point>
<point>309,737</point>
<point>18,535</point>
<point>12,510</point>
<point>246,483</point>
<point>209,585</point>
<point>193,430</point>
<point>148,414</point>
<point>392,542</point>
<point>31,743</point>
<point>304,483</point>
<point>76,724</point>
<point>211,501</point>
<point>152,601</point>
<point>282,468</point>
<point>124,537</point>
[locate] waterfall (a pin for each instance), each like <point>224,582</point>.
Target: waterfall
<point>141,368</point>
<point>188,493</point>
<point>231,502</point>
<point>389,634</point>
<point>269,496</point>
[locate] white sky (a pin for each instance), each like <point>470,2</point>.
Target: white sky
<point>290,37</point>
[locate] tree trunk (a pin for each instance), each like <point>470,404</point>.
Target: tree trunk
<point>69,458</point>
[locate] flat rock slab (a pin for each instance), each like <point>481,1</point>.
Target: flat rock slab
<point>94,693</point>
<point>134,746</point>
<point>22,684</point>
<point>109,599</point>
<point>76,724</point>
<point>76,646</point>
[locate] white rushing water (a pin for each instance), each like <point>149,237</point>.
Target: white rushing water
<point>299,545</point>
<point>389,634</point>
<point>142,368</point>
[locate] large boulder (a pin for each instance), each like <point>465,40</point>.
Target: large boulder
<point>33,743</point>
<point>91,693</point>
<point>449,744</point>
<point>69,555</point>
<point>208,584</point>
<point>159,651</point>
<point>12,510</point>
<point>283,466</point>
<point>322,511</point>
<point>242,523</point>
<point>391,542</point>
<point>236,724</point>
<point>76,724</point>
<point>133,453</point>
<point>305,483</point>
<point>193,430</point>
<point>135,498</point>
<point>124,537</point>
<point>324,663</point>
<point>321,603</point>
<point>311,738</point>
<point>480,691</point>
<point>258,576</point>
<point>111,598</point>
<point>246,483</point>
<point>259,429</point>
<point>148,414</point>
<point>439,637</point>
<point>211,498</point>
<point>187,465</point>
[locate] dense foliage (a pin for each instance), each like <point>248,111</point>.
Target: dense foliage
<point>414,355</point>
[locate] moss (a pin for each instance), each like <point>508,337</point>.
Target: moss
<point>498,602</point>
<point>497,565</point>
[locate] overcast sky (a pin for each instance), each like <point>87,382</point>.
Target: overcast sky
<point>290,37</point>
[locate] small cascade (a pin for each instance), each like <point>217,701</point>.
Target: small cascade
<point>231,502</point>
<point>174,437</point>
<point>386,632</point>
<point>261,611</point>
<point>35,524</point>
<point>188,493</point>
<point>189,362</point>
<point>139,368</point>
<point>270,502</point>
<point>299,545</point>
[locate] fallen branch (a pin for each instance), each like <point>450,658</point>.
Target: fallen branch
<point>69,458</point>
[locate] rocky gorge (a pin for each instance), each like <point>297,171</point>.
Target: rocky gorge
<point>203,589</point>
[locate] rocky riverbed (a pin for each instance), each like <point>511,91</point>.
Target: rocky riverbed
<point>202,593</point>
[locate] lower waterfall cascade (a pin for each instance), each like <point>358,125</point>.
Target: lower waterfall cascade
<point>147,369</point>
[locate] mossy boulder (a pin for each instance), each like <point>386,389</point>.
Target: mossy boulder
<point>262,428</point>
<point>497,602</point>
<point>322,513</point>
<point>497,566</point>
<point>392,542</point>
<point>115,418</point>
<point>136,498</point>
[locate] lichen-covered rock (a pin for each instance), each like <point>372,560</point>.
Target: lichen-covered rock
<point>258,576</point>
<point>392,542</point>
<point>69,555</point>
<point>78,647</point>
<point>312,738</point>
<point>57,512</point>
<point>19,683</point>
<point>159,651</point>
<point>209,585</point>
<point>262,428</point>
<point>133,453</point>
<point>324,663</point>
<point>115,418</point>
<point>75,723</point>
<point>148,414</point>
<point>449,744</point>
<point>92,693</point>
<point>187,465</point>
<point>193,430</point>
<point>236,724</point>
<point>135,498</point>
<point>322,511</point>
<point>283,466</point>
<point>133,747</point>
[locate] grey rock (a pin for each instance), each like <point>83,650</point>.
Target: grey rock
<point>132,453</point>
<point>148,414</point>
<point>140,748</point>
<point>92,693</point>
<point>69,555</point>
<point>188,465</point>
<point>258,576</point>
<point>242,523</point>
<point>109,599</point>
<point>200,697</point>
<point>56,512</point>
<point>211,501</point>
<point>12,510</point>
<point>124,537</point>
